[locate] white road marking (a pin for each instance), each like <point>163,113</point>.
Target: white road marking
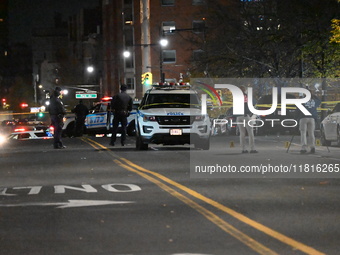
<point>71,203</point>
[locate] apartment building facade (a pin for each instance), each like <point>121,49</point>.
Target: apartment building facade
<point>136,27</point>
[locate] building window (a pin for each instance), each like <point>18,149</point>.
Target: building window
<point>198,26</point>
<point>130,83</point>
<point>169,56</point>
<point>168,2</point>
<point>129,62</point>
<point>168,27</point>
<point>198,2</point>
<point>128,17</point>
<point>128,33</point>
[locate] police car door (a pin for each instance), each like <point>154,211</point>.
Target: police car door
<point>97,119</point>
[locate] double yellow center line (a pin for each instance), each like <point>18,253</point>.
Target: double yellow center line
<point>168,185</point>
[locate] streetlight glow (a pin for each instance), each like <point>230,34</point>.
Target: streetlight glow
<point>126,54</point>
<point>163,42</point>
<point>90,69</point>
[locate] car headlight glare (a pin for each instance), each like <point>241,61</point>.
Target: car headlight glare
<point>199,117</point>
<point>149,118</point>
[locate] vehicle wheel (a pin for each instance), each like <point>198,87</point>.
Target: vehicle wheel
<point>140,145</point>
<point>338,136</point>
<point>203,144</point>
<point>325,142</point>
<point>69,131</point>
<point>131,129</point>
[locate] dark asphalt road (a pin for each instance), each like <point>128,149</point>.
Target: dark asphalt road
<point>94,199</point>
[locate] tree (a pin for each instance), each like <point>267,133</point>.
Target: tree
<point>269,39</point>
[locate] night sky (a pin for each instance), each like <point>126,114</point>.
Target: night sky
<point>24,15</point>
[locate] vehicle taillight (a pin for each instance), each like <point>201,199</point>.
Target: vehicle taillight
<point>51,129</point>
<point>19,130</point>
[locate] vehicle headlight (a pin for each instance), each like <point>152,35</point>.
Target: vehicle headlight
<point>199,118</point>
<point>2,139</point>
<point>149,118</point>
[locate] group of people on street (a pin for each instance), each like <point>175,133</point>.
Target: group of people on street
<point>121,106</point>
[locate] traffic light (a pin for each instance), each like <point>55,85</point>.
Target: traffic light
<point>41,114</point>
<point>147,78</point>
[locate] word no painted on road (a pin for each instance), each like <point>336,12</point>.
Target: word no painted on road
<point>61,189</point>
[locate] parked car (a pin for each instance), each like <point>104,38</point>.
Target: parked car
<point>99,120</point>
<point>330,127</point>
<point>264,103</point>
<point>30,134</point>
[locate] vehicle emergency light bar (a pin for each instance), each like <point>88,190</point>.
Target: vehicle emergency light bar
<point>106,99</point>
<point>171,85</point>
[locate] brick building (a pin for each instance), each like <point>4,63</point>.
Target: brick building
<point>137,27</point>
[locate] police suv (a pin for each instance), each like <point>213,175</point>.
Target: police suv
<point>171,115</point>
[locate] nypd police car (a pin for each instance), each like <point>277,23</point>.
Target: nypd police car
<point>99,120</point>
<point>171,115</point>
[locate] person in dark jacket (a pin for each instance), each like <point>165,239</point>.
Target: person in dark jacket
<point>121,106</point>
<point>57,112</point>
<point>81,111</point>
<point>307,124</point>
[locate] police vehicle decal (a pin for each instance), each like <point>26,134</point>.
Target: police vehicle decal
<point>175,113</point>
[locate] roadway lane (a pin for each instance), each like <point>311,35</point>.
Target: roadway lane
<point>150,205</point>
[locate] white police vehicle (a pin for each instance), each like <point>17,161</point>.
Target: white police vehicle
<point>171,115</point>
<point>99,120</point>
<point>330,127</point>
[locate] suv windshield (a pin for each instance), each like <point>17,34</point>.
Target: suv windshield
<point>171,101</point>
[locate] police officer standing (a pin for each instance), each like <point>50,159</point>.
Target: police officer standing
<point>57,112</point>
<point>121,105</point>
<point>81,111</point>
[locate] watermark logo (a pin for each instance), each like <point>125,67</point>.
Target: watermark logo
<point>238,100</point>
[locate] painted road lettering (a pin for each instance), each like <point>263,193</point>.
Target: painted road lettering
<point>71,203</point>
<point>61,189</point>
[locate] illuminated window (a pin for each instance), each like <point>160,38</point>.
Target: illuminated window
<point>168,27</point>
